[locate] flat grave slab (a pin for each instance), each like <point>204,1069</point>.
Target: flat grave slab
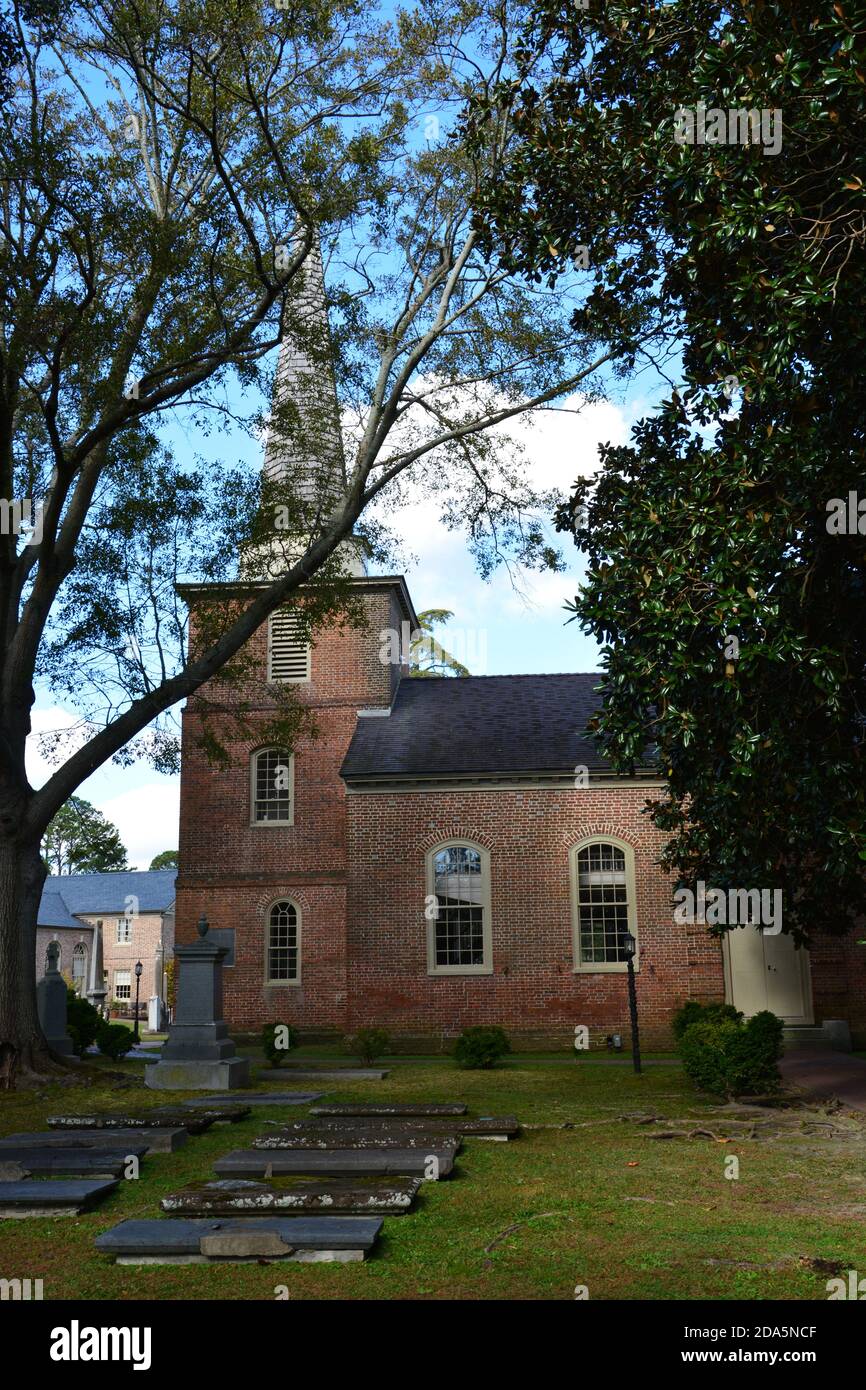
<point>61,1198</point>
<point>484,1127</point>
<point>196,1123</point>
<point>382,1196</point>
<point>152,1141</point>
<point>421,1108</point>
<point>84,1163</point>
<point>356,1139</point>
<point>322,1074</point>
<point>268,1238</point>
<point>259,1098</point>
<point>272,1163</point>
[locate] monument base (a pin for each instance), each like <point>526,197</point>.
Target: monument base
<point>231,1074</point>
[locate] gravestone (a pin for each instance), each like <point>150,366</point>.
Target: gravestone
<point>51,1004</point>
<point>358,1196</point>
<point>96,990</point>
<point>431,1164</point>
<point>58,1198</point>
<point>199,1054</point>
<point>196,1241</point>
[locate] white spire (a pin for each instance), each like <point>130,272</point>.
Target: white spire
<point>303,443</point>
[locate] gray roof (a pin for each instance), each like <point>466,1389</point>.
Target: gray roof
<point>65,895</point>
<point>479,724</point>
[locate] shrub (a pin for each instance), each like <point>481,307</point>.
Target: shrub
<point>368,1043</point>
<point>481,1048</point>
<point>83,1022</point>
<point>288,1039</point>
<point>693,1012</point>
<point>115,1040</point>
<point>729,1057</point>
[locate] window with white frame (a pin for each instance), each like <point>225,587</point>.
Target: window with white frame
<point>124,931</point>
<point>282,965</point>
<point>603,898</point>
<point>272,772</point>
<point>288,648</point>
<point>458,913</point>
<point>79,967</point>
<point>123,984</point>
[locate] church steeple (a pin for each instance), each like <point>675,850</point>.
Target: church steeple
<point>304,463</point>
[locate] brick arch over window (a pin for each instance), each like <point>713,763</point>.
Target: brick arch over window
<point>455,834</point>
<point>282,941</point>
<point>272,787</point>
<point>457,908</point>
<point>603,902</point>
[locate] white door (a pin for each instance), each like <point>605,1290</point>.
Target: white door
<point>767,972</point>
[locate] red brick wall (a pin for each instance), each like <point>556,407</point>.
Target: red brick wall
<point>533,988</point>
<point>232,871</point>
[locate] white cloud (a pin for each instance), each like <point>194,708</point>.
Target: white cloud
<point>147,818</point>
<point>146,813</point>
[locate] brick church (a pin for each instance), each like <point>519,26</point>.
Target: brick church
<point>446,851</point>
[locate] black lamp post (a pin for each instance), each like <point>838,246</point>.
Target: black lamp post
<point>138,969</point>
<point>629,946</point>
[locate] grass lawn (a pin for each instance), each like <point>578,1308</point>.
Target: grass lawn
<point>600,1204</point>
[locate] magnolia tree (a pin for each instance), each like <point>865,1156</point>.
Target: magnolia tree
<point>168,174</point>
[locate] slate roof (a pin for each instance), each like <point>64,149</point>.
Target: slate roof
<point>479,724</point>
<point>65,895</point>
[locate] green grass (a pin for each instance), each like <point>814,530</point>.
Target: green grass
<point>526,1220</point>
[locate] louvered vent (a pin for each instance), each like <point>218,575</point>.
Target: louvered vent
<point>288,653</point>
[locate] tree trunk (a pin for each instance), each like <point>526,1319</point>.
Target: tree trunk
<point>24,1053</point>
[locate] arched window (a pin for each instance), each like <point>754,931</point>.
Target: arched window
<point>79,967</point>
<point>603,903</point>
<point>283,963</point>
<point>272,784</point>
<point>459,940</point>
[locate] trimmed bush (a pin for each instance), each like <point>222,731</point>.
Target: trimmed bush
<point>288,1039</point>
<point>368,1043</point>
<point>481,1048</point>
<point>114,1040</point>
<point>730,1057</point>
<point>83,1022</point>
<point>693,1012</point>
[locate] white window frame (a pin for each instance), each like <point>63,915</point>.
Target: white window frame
<point>486,968</point>
<point>126,984</point>
<point>124,931</point>
<point>594,967</point>
<point>285,680</point>
<point>279,984</point>
<point>254,763</point>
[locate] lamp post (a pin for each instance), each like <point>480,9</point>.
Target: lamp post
<point>138,969</point>
<point>629,946</point>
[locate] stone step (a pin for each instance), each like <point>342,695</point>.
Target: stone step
<point>273,1163</point>
<point>195,1122</point>
<point>258,1098</point>
<point>382,1196</point>
<point>21,1162</point>
<point>152,1141</point>
<point>357,1139</point>
<point>384,1110</point>
<point>264,1238</point>
<point>321,1074</point>
<point>482,1127</point>
<point>70,1198</point>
